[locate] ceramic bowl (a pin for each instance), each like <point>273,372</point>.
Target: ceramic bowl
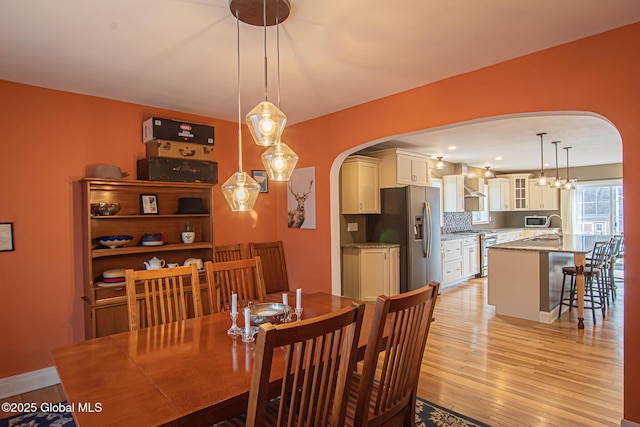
<point>114,241</point>
<point>274,313</point>
<point>105,209</point>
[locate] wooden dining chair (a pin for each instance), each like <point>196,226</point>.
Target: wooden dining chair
<point>233,252</point>
<point>273,264</point>
<point>166,295</point>
<point>384,392</point>
<point>316,370</point>
<point>242,277</point>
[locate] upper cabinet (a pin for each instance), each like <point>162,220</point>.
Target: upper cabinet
<point>519,187</point>
<point>360,185</point>
<point>499,194</point>
<point>453,190</point>
<point>400,168</point>
<point>543,197</point>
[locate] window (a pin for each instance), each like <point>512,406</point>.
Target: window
<point>599,208</point>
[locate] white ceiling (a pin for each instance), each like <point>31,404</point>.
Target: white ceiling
<point>181,54</point>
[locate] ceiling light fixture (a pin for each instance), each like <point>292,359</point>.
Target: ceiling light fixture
<point>279,160</point>
<point>240,190</point>
<point>266,122</point>
<point>488,173</point>
<point>542,180</point>
<point>557,182</point>
<point>568,185</point>
<point>440,164</point>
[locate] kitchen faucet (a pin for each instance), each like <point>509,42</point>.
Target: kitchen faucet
<point>558,233</point>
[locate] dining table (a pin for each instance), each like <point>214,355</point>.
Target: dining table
<point>189,372</point>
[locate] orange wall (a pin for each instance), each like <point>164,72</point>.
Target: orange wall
<point>597,74</point>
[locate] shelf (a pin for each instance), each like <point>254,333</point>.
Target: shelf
<point>129,250</point>
<point>128,217</point>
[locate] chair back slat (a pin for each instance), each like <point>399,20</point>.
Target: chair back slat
<point>165,295</point>
<point>319,360</point>
<point>229,252</point>
<point>393,356</point>
<point>273,265</point>
<point>242,277</point>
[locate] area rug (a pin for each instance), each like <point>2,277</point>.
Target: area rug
<point>427,415</point>
<point>431,415</point>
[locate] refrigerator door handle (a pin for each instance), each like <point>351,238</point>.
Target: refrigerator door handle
<point>427,229</point>
<point>424,231</point>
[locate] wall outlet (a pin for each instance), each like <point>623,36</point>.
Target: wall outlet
<point>352,226</point>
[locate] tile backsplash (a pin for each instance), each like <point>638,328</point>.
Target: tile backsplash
<point>456,221</point>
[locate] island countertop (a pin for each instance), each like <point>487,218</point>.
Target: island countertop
<point>570,243</point>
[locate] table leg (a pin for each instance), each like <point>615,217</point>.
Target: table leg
<point>579,260</point>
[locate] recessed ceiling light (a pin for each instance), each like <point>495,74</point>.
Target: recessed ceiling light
<point>499,158</point>
<point>452,147</point>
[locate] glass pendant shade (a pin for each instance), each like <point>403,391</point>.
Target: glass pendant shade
<point>279,161</point>
<point>266,123</point>
<point>240,191</point>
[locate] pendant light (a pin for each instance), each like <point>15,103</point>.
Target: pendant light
<point>240,190</point>
<point>279,160</point>
<point>266,122</point>
<point>542,179</point>
<point>488,173</point>
<point>568,185</point>
<point>440,164</point>
<point>557,182</point>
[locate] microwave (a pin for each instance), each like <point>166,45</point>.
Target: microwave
<point>535,221</point>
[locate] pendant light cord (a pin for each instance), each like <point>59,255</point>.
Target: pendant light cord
<point>264,20</point>
<point>239,106</point>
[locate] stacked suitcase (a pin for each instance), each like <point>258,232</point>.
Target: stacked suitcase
<point>177,152</point>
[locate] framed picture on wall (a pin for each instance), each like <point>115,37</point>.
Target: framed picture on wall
<point>148,204</point>
<point>262,179</point>
<point>6,236</point>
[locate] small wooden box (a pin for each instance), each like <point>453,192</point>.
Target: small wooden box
<point>177,170</point>
<point>179,150</point>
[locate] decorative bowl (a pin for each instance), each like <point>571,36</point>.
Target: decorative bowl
<point>105,209</point>
<point>270,312</point>
<point>114,241</point>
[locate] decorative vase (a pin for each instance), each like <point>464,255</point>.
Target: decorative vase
<point>188,235</point>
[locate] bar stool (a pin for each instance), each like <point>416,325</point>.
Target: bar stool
<point>594,299</point>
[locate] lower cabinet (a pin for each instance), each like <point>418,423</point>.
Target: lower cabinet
<point>460,259</point>
<point>370,271</point>
<point>470,256</point>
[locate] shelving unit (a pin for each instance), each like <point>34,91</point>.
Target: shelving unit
<point>106,307</point>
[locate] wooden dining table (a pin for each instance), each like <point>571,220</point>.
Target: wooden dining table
<point>185,373</point>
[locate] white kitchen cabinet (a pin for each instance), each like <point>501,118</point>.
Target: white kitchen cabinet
<point>451,260</point>
<point>360,191</point>
<point>368,272</point>
<point>519,187</point>
<point>453,189</point>
<point>508,236</point>
<point>499,194</point>
<point>401,167</point>
<point>470,256</point>
<point>543,197</point>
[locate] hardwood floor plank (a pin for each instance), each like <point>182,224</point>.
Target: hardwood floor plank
<point>511,372</point>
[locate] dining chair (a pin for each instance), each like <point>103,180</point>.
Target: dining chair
<point>242,277</point>
<point>166,295</point>
<point>229,252</point>
<point>317,367</point>
<point>384,392</point>
<point>273,264</point>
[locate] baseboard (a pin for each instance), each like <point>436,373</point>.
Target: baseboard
<point>28,381</point>
<point>626,423</point>
<point>548,317</point>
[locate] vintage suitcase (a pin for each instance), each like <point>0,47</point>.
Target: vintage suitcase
<point>177,170</point>
<point>179,150</point>
<point>157,128</point>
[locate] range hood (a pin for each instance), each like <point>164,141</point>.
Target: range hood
<point>461,169</point>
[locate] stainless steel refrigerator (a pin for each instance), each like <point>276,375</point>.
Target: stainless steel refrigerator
<point>410,216</point>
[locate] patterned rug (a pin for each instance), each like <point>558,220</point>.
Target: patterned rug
<point>427,415</point>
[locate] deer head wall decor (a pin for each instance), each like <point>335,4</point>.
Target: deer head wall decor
<point>297,215</point>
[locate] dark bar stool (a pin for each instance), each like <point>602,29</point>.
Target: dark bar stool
<point>594,299</point>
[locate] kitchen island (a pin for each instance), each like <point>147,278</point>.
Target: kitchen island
<point>526,275</point>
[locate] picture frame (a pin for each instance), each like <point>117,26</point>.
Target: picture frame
<point>149,204</point>
<point>6,236</point>
<point>262,179</point>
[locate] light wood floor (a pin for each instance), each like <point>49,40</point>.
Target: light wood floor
<point>505,371</point>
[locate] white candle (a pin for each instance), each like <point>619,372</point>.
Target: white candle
<point>247,322</point>
<point>285,299</point>
<point>234,303</point>
<point>298,299</point>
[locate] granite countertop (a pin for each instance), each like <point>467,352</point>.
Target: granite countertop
<point>571,243</point>
<point>458,235</point>
<point>370,245</point>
